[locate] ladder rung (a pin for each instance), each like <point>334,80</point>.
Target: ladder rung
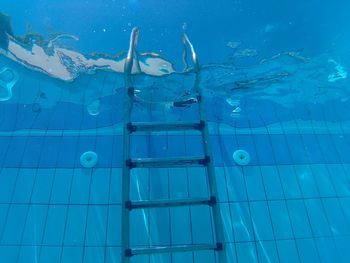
<point>171,249</point>
<point>170,203</point>
<point>164,126</point>
<point>166,162</point>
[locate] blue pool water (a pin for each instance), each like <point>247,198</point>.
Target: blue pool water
<point>274,76</point>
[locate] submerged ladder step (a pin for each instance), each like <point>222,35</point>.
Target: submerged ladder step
<point>167,162</point>
<point>171,249</point>
<point>164,126</point>
<point>170,203</point>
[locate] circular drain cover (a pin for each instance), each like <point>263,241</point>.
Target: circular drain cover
<point>88,159</point>
<point>241,157</point>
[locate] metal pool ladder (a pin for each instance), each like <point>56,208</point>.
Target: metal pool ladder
<point>128,164</point>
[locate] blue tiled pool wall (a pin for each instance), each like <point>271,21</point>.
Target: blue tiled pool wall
<point>283,207</point>
<point>273,213</point>
<point>277,149</point>
<point>39,102</point>
<point>23,116</point>
<point>54,147</point>
<point>290,204</point>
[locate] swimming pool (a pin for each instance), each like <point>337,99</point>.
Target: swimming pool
<point>118,145</point>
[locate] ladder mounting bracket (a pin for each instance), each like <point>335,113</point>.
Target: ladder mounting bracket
<point>131,128</point>
<point>129,163</point>
<point>131,91</point>
<point>212,201</point>
<point>128,205</point>
<point>128,253</point>
<point>205,161</point>
<point>219,246</point>
<point>200,126</point>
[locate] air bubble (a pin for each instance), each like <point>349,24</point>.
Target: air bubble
<point>8,79</point>
<point>94,108</point>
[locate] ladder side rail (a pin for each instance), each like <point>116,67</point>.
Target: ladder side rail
<point>213,188</point>
<point>125,231</point>
<point>186,41</point>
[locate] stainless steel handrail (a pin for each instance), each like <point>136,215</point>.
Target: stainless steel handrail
<point>132,52</point>
<point>212,182</point>
<point>125,180</point>
<point>186,40</point>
